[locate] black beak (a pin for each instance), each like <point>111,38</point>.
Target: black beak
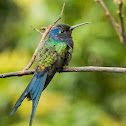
<point>74,26</point>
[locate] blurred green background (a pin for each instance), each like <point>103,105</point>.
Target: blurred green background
<point>75,99</point>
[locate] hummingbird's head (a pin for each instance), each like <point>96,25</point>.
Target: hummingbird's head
<point>60,32</point>
<point>63,32</point>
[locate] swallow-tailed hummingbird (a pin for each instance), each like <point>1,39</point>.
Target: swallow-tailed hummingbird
<point>53,55</point>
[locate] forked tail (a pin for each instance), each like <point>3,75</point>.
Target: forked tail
<point>33,92</point>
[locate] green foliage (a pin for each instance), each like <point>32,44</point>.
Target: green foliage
<point>89,99</point>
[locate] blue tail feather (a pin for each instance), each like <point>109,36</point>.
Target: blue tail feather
<point>37,96</point>
<point>18,103</point>
<point>32,83</point>
<point>34,89</point>
<point>34,92</point>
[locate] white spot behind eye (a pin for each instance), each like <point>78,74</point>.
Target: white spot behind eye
<point>62,31</point>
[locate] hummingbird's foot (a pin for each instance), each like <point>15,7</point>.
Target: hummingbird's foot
<point>60,70</point>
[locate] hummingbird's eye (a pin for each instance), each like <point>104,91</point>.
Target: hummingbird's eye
<point>62,31</point>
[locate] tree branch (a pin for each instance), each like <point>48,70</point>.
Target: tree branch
<point>70,69</point>
<point>119,29</point>
<point>60,15</point>
<point>47,30</point>
<point>122,22</point>
<point>36,30</point>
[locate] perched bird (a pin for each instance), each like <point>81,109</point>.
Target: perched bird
<point>53,55</point>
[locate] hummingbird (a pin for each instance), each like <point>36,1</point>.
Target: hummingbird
<point>54,54</point>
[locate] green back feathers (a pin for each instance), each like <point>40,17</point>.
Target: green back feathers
<point>47,54</point>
